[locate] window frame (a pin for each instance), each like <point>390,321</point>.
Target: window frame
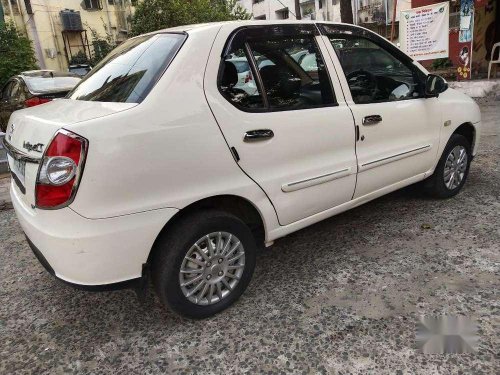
<point>329,30</point>
<point>243,35</point>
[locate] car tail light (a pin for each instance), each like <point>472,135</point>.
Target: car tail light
<point>249,77</point>
<point>60,170</point>
<point>31,102</point>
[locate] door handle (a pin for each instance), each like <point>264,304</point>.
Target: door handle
<point>372,120</point>
<point>258,135</point>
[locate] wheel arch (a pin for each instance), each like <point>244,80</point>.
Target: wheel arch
<point>234,204</point>
<point>467,130</point>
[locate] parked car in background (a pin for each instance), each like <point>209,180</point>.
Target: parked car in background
<point>32,88</point>
<point>158,164</point>
<point>80,69</point>
<point>245,78</point>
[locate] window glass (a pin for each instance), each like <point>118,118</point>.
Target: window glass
<point>14,91</point>
<point>6,91</point>
<point>130,71</point>
<point>293,73</point>
<point>373,74</point>
<point>237,83</point>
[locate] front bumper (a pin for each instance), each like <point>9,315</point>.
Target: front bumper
<point>90,253</point>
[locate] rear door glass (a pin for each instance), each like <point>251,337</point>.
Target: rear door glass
<point>130,71</point>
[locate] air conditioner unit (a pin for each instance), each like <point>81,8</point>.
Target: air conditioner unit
<point>71,20</point>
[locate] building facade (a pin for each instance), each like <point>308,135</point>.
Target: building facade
<point>62,31</point>
<point>285,9</point>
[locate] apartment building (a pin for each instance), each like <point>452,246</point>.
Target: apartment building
<point>285,9</point>
<point>62,29</point>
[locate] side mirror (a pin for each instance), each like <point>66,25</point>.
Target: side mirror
<point>435,85</point>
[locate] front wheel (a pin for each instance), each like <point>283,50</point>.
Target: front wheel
<point>204,263</point>
<point>452,170</point>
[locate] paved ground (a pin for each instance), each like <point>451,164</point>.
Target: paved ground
<point>341,296</point>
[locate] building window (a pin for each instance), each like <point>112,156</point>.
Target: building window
<point>257,1</point>
<point>92,4</point>
<point>282,14</point>
<point>263,17</point>
<point>320,4</point>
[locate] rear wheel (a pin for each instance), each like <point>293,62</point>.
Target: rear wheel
<point>452,170</point>
<point>204,263</point>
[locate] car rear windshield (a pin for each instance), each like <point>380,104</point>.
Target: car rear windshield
<point>130,71</point>
<point>48,84</point>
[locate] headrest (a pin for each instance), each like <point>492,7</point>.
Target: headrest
<point>270,75</point>
<point>230,75</point>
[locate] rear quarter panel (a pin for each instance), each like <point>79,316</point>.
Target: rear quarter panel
<point>166,152</point>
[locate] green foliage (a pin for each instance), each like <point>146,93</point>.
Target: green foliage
<point>441,63</point>
<point>79,58</point>
<point>152,15</point>
<point>16,53</point>
<point>102,45</point>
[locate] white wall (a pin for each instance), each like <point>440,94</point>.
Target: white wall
<point>330,10</point>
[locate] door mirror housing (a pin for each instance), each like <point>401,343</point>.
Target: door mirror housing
<point>435,85</point>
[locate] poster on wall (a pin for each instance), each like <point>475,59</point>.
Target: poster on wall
<point>465,39</point>
<point>466,20</point>
<point>424,31</point>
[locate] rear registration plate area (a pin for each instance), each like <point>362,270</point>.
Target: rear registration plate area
<point>18,171</point>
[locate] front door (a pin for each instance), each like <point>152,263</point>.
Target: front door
<point>398,126</point>
<point>288,124</point>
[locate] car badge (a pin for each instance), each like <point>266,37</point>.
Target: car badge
<point>33,147</point>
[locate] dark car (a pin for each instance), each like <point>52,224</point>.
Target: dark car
<point>32,88</point>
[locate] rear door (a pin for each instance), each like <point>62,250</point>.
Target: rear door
<point>294,135</point>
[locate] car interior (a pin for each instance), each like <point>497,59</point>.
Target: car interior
<point>286,83</point>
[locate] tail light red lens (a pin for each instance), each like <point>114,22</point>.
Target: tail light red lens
<point>60,170</point>
<point>31,102</point>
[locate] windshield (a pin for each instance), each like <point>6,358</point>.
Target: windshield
<point>47,84</point>
<point>130,71</point>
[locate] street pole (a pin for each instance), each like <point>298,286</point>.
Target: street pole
<point>393,19</point>
<point>297,10</point>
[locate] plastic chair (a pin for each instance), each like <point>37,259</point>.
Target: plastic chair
<point>495,46</point>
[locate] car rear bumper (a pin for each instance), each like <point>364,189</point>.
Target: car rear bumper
<point>93,254</point>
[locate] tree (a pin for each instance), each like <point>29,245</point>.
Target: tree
<point>346,11</point>
<point>151,15</point>
<point>16,51</point>
<point>102,45</point>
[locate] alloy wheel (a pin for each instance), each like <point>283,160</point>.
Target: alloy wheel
<point>212,268</point>
<point>455,167</point>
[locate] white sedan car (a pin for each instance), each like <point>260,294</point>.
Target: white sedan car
<point>157,164</point>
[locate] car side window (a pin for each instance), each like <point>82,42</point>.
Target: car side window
<point>14,91</point>
<point>6,91</point>
<point>275,72</point>
<point>237,82</point>
<point>293,73</point>
<point>373,74</point>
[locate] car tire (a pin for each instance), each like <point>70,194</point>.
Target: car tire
<point>438,185</point>
<point>181,246</point>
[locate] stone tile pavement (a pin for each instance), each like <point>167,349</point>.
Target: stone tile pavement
<point>5,202</point>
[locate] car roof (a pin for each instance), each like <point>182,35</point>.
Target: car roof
<point>45,73</point>
<point>236,24</point>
